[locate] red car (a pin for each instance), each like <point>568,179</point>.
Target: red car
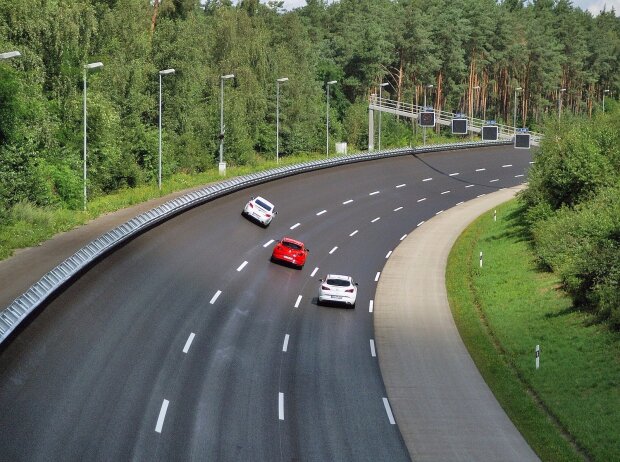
<point>290,251</point>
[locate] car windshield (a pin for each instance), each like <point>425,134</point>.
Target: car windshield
<point>338,282</point>
<point>263,205</point>
<point>291,245</point>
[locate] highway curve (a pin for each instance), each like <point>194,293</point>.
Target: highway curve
<point>188,344</point>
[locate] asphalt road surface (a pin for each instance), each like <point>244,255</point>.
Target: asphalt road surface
<point>188,344</point>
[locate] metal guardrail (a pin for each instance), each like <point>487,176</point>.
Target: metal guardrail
<point>38,293</point>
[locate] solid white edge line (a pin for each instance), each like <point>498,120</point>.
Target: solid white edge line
<point>321,212</point>
<point>388,409</point>
<point>376,219</point>
<point>214,298</point>
<point>421,223</point>
<point>188,343</point>
<point>333,250</point>
<point>314,272</point>
<point>427,179</point>
<point>371,306</point>
<point>480,169</point>
<point>397,209</point>
<point>353,233</point>
<point>403,238</point>
<point>295,225</point>
<point>298,301</point>
<point>373,353</point>
<point>377,276</point>
<point>162,416</point>
<point>242,265</point>
<point>281,406</point>
<point>285,344</point>
<point>421,200</point>
<point>388,254</point>
<point>401,185</point>
<point>373,193</point>
<point>445,192</point>
<point>267,244</point>
<point>347,202</point>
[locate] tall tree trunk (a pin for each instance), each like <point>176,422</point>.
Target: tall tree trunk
<point>154,17</point>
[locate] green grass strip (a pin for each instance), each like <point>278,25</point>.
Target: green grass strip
<point>569,409</point>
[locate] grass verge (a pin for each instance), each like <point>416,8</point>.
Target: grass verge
<point>567,410</point>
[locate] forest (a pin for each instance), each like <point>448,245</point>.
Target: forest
<point>475,53</point>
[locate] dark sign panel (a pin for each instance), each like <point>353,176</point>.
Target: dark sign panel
<point>427,119</point>
<point>459,126</point>
<point>522,141</point>
<point>489,133</point>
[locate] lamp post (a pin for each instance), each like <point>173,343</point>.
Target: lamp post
<point>331,82</point>
<point>604,91</point>
<point>381,85</point>
<point>514,123</point>
<point>424,128</point>
<point>278,82</point>
<point>87,67</point>
<point>164,72</point>
<point>562,90</point>
<point>222,165</point>
<point>471,116</point>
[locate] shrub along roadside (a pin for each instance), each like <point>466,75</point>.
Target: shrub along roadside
<point>569,409</point>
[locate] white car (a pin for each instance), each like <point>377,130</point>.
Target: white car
<point>336,288</point>
<point>260,210</point>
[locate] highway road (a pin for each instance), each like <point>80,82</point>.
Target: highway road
<point>188,344</point>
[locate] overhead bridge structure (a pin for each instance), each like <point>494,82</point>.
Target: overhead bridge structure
<point>400,108</point>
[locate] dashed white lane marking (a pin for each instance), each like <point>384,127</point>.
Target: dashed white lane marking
<point>480,169</point>
<point>281,406</point>
<point>420,224</point>
<point>298,301</point>
<point>507,165</point>
<point>459,203</point>
<point>469,186</point>
<point>421,200</point>
<point>372,348</point>
<point>285,344</point>
<point>376,219</point>
<point>371,306</point>
<point>427,179</point>
<point>480,195</point>
<point>532,162</point>
<point>397,209</point>
<point>267,244</point>
<point>347,202</point>
<point>353,233</point>
<point>188,344</point>
<point>374,193</point>
<point>454,174</point>
<point>403,238</point>
<point>321,213</point>
<point>441,211</point>
<point>388,409</point>
<point>242,265</point>
<point>333,250</point>
<point>377,276</point>
<point>314,272</point>
<point>401,185</point>
<point>214,298</point>
<point>162,416</point>
<point>445,192</point>
<point>388,254</point>
<point>493,181</point>
<point>295,225</point>
<point>519,176</point>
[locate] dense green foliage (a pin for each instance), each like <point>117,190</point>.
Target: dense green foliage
<point>474,52</point>
<point>573,204</point>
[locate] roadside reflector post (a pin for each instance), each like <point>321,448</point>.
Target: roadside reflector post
<point>494,215</point>
<point>537,356</point>
<point>481,259</point>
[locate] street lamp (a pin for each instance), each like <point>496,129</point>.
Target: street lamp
<point>424,128</point>
<point>562,90</point>
<point>331,82</point>
<point>278,82</point>
<point>222,165</point>
<point>514,123</point>
<point>10,54</point>
<point>87,67</point>
<point>381,85</point>
<point>164,72</point>
<point>604,91</point>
